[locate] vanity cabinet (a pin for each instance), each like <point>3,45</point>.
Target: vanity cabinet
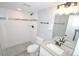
<point>43,52</point>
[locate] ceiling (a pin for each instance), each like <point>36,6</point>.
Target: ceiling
<point>29,6</point>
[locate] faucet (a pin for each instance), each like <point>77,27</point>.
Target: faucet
<point>62,39</point>
<point>76,31</point>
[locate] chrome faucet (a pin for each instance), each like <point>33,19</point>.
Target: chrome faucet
<point>61,41</point>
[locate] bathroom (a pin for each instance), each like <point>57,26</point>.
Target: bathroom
<point>39,29</point>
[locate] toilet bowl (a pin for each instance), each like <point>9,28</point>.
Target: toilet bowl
<point>32,48</point>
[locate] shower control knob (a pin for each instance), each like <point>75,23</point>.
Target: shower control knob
<point>32,26</point>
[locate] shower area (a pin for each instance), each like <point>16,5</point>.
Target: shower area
<point>16,36</point>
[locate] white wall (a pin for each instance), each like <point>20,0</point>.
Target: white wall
<point>14,32</point>
<point>17,32</point>
<point>45,30</point>
<point>9,13</point>
<point>73,23</point>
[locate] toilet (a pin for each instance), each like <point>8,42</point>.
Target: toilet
<point>34,48</point>
<point>31,49</point>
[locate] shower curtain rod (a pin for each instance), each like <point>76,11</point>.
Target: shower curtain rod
<point>5,18</point>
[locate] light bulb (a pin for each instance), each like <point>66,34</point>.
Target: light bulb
<point>66,10</point>
<point>75,9</point>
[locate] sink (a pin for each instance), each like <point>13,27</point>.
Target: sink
<point>69,44</point>
<point>55,48</point>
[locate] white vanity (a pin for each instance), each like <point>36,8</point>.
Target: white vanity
<point>51,49</point>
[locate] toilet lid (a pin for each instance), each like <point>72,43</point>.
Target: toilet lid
<point>32,48</point>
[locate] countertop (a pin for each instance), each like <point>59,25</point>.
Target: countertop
<point>67,51</point>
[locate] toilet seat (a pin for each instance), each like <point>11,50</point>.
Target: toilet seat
<point>32,48</point>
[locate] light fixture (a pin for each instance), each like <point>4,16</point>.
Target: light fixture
<point>19,9</point>
<point>67,8</point>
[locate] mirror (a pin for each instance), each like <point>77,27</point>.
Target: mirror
<point>66,28</point>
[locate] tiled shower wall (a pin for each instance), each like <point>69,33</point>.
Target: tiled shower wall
<point>14,32</point>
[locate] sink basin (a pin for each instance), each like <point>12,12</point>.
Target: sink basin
<point>69,44</point>
<point>55,48</point>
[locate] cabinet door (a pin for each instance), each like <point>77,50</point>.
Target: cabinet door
<point>43,52</point>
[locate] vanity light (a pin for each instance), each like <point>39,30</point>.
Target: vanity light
<point>67,8</point>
